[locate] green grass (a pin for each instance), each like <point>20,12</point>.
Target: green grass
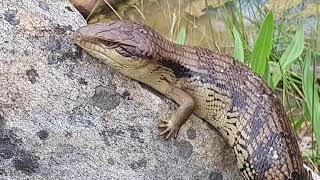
<point>311,94</point>
<point>262,48</point>
<point>238,47</point>
<point>289,56</point>
<point>182,36</point>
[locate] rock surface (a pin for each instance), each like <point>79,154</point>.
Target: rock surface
<point>64,115</point>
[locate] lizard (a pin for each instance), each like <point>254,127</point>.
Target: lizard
<point>215,87</point>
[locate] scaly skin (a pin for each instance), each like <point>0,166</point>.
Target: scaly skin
<point>215,87</point>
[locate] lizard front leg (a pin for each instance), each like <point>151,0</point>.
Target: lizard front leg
<point>181,115</point>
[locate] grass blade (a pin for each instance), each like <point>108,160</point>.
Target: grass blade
<point>238,48</point>
<point>263,46</point>
<point>293,51</point>
<point>311,95</point>
<point>182,36</point>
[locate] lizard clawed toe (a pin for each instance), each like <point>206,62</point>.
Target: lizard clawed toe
<point>170,129</point>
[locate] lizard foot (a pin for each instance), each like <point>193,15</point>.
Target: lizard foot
<point>170,129</point>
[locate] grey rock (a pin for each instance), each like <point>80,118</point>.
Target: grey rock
<point>2,120</point>
<point>44,6</point>
<point>106,98</point>
<point>10,17</point>
<point>185,149</point>
<point>191,133</point>
<point>65,115</point>
<point>43,134</point>
<point>215,176</point>
<point>32,75</point>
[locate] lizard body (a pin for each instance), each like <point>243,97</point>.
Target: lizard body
<point>215,87</point>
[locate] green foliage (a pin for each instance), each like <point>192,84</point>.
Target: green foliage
<point>289,56</point>
<point>262,48</point>
<point>154,24</point>
<point>238,48</point>
<point>311,95</point>
<point>182,36</point>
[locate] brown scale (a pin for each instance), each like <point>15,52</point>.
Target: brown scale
<point>215,87</point>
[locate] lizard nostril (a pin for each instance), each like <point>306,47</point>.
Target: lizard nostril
<point>77,37</point>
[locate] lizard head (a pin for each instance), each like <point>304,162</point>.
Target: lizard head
<point>121,44</point>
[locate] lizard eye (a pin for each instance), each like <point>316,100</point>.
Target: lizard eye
<point>127,51</point>
<point>109,44</point>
